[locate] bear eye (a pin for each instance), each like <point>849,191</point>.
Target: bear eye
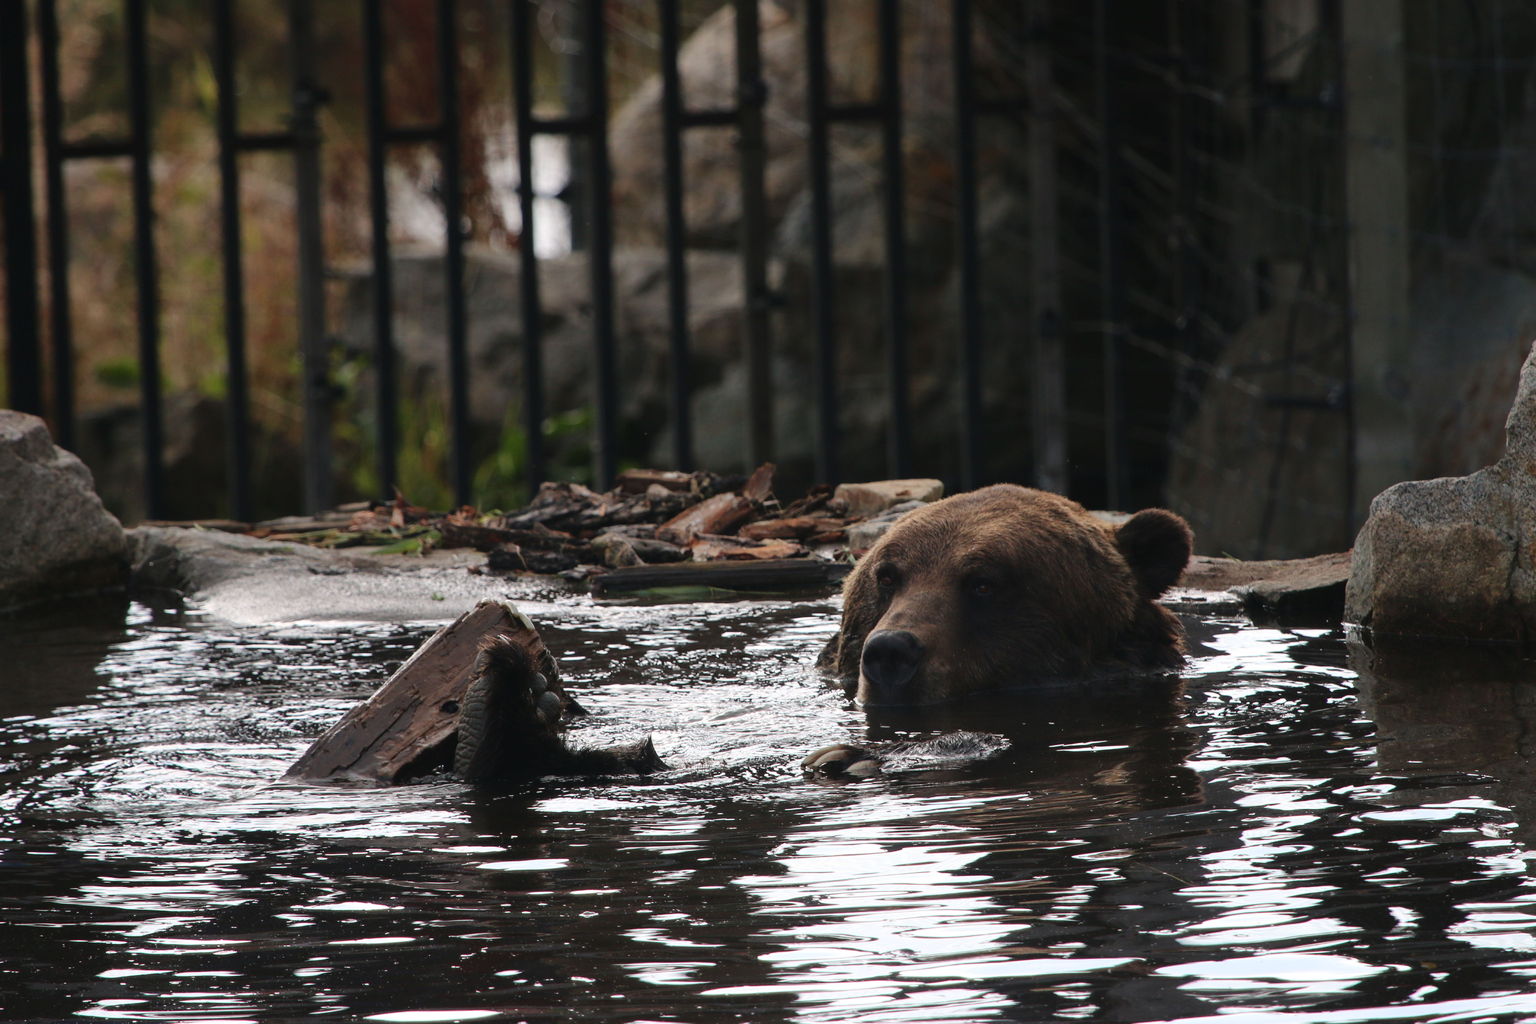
<point>887,576</point>
<point>980,586</point>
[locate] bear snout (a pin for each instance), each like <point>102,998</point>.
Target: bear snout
<point>889,660</point>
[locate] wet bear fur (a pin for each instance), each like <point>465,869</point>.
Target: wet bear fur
<point>1008,587</point>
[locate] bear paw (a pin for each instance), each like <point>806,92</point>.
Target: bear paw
<point>842,761</point>
<point>509,721</point>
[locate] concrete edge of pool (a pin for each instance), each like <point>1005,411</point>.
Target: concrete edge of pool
<point>249,581</point>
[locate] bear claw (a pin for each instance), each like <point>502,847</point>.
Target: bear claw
<point>842,761</point>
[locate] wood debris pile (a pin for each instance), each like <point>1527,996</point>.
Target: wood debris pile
<point>650,517</point>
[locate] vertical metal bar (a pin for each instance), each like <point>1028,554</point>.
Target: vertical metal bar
<point>1111,271</point>
<point>894,187</point>
<point>313,344</point>
<point>145,271</point>
<point>386,396</point>
<point>751,95</point>
<point>23,350</point>
<point>59,312</point>
<point>571,45</point>
<point>237,392</point>
<point>677,265</point>
<point>818,155</point>
<point>453,246</point>
<point>1047,359</point>
<point>1179,144</point>
<point>1331,19</point>
<point>967,245</point>
<point>1258,71</point>
<point>533,313</point>
<point>1377,190</point>
<point>600,248</point>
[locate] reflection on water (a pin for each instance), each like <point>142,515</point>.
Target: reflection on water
<point>1265,842</point>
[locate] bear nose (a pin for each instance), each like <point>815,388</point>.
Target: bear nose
<point>890,658</point>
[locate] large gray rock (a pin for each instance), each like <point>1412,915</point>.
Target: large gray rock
<point>1452,557</point>
<point>56,538</point>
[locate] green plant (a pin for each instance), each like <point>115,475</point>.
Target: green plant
<point>501,480</point>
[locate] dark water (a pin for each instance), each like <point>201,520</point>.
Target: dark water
<point>1251,848</point>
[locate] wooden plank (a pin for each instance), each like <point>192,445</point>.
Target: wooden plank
<point>785,574</point>
<point>404,727</point>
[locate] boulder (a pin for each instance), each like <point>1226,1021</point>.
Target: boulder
<point>58,538</point>
<point>1452,557</point>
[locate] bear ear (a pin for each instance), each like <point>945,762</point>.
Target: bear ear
<point>1156,545</point>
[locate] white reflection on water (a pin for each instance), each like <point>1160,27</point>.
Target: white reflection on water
<point>165,877</point>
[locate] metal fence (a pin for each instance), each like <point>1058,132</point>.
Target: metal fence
<point>1222,212</point>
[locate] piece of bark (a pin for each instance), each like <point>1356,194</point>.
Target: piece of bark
<point>645,549</point>
<point>710,548</point>
<point>638,481</point>
<point>874,497</point>
<point>815,499</point>
<point>620,554</point>
<point>489,535</point>
<point>791,528</point>
<point>221,525</point>
<point>759,486</point>
<point>458,534</point>
<point>405,728</point>
<point>512,558</point>
<point>720,514</point>
<point>788,574</point>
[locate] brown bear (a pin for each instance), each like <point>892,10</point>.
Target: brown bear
<point>992,589</point>
<point>1007,587</point>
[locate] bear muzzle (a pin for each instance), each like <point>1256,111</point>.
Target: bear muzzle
<point>887,664</point>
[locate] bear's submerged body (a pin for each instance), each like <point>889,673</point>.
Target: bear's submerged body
<point>1000,589</point>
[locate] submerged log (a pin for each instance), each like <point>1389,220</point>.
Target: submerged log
<point>407,727</point>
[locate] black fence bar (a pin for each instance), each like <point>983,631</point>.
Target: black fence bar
<point>533,314</point>
<point>672,116</point>
<point>145,270</point>
<point>237,387</point>
<point>894,185</point>
<point>453,243</point>
<point>1047,360</point>
<point>414,135</point>
<point>600,238</point>
<point>967,244</point>
<point>1111,270</point>
<point>751,95</point>
<point>1330,18</point>
<point>843,113</point>
<point>724,118</point>
<point>265,142</point>
<point>386,394</point>
<point>24,363</point>
<point>61,330</point>
<point>818,173</point>
<point>314,344</point>
<point>97,149</point>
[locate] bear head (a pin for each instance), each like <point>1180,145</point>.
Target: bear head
<point>1005,587</point>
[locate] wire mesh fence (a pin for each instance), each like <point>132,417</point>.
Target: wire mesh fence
<point>1253,259</point>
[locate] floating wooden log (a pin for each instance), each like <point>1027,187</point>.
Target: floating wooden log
<point>766,576</point>
<point>407,727</point>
